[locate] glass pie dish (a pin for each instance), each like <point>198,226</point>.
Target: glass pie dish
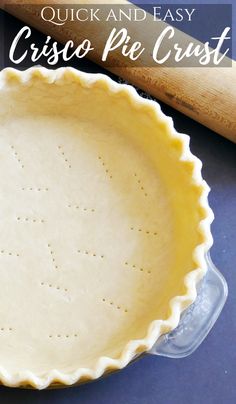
<point>104,230</point>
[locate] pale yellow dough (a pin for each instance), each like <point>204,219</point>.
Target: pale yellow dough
<point>98,222</point>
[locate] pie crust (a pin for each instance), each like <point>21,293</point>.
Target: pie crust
<point>104,226</point>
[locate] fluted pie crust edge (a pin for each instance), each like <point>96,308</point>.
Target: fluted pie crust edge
<point>176,305</point>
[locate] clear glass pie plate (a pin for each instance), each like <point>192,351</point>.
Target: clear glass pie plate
<point>196,321</point>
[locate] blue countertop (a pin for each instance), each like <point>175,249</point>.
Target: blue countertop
<point>208,376</point>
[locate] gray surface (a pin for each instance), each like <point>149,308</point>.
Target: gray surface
<point>208,376</point>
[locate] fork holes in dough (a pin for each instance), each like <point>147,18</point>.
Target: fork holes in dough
<point>81,208</point>
<point>38,189</point>
<point>134,267</point>
<point>15,154</point>
<point>63,336</point>
<point>56,287</point>
<point>29,219</point>
<point>62,154</point>
<point>113,305</point>
<point>90,253</point>
<point>52,255</point>
<point>140,230</point>
<point>140,185</point>
<point>107,171</point>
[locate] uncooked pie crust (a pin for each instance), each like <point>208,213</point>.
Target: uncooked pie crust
<point>104,224</point>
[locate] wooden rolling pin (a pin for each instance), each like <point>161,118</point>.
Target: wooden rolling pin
<point>206,94</point>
